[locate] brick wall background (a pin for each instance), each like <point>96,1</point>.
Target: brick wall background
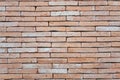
<point>60,40</point>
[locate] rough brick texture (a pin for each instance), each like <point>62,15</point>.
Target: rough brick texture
<point>59,39</point>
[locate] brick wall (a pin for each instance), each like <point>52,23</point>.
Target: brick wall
<point>60,40</point>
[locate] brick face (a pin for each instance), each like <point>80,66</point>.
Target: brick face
<point>60,40</point>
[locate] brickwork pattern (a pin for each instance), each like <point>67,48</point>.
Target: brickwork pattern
<point>59,39</point>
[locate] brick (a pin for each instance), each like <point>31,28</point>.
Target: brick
<point>2,39</point>
<point>66,34</point>
<point>63,23</point>
<point>95,55</point>
<point>82,71</point>
<point>114,12</point>
<point>66,45</point>
<point>108,39</point>
<point>51,39</point>
<point>52,49</point>
<point>35,14</point>
<point>65,13</point>
<point>96,44</point>
<point>81,18</point>
<point>20,18</point>
<point>97,76</point>
<point>63,55</point>
<point>5,3</point>
<point>80,8</point>
<point>67,76</point>
<point>52,71</point>
<point>2,8</point>
<point>50,18</point>
<point>22,71</point>
<point>33,3</point>
<point>10,44</point>
<point>35,55</point>
<point>108,28</point>
<point>80,60</point>
<point>50,29</point>
<point>10,34</point>
<point>23,60</point>
<point>94,23</point>
<point>11,66</point>
<point>36,44</point>
<point>63,3</point>
<point>3,70</point>
<point>22,50</point>
<point>3,60</point>
<point>2,50</point>
<point>6,55</point>
<point>19,29</point>
<point>114,3</point>
<point>107,8</point>
<point>37,76</point>
<point>108,70</point>
<point>115,34</point>
<point>109,60</point>
<point>34,34</point>
<point>115,43</point>
<point>10,14</point>
<point>81,39</point>
<point>109,49</point>
<point>21,39</point>
<point>115,55</point>
<point>20,8</point>
<point>51,60</point>
<point>40,66</point>
<point>80,28</point>
<point>9,76</point>
<point>64,66</point>
<point>8,24</point>
<point>95,33</point>
<point>82,50</point>
<point>32,24</point>
<point>110,18</point>
<point>92,2</point>
<point>98,13</point>
<point>51,8</point>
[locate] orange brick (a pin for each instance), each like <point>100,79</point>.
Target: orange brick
<point>9,76</point>
<point>81,39</point>
<point>63,23</point>
<point>35,13</point>
<point>3,60</point>
<point>37,76</point>
<point>50,19</point>
<point>51,39</point>
<point>107,8</point>
<point>28,29</point>
<point>68,76</point>
<point>23,60</point>
<point>96,34</point>
<point>51,60</point>
<point>50,29</point>
<point>66,45</point>
<point>33,3</point>
<point>20,18</point>
<point>80,8</point>
<point>9,13</point>
<point>108,39</point>
<point>20,8</point>
<point>32,24</point>
<point>96,44</point>
<point>80,28</point>
<point>36,44</point>
<point>82,50</point>
<point>17,71</point>
<point>51,8</point>
<point>115,33</point>
<point>80,60</point>
<point>82,71</point>
<point>21,39</point>
<point>28,55</point>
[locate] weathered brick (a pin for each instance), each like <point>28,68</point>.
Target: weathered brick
<point>82,71</point>
<point>35,13</point>
<point>52,49</point>
<point>17,71</point>
<point>82,50</point>
<point>20,8</point>
<point>92,2</point>
<point>8,24</point>
<point>66,45</point>
<point>10,44</point>
<point>19,29</point>
<point>96,44</point>
<point>80,28</point>
<point>66,66</point>
<point>63,3</point>
<point>67,76</point>
<point>3,70</point>
<point>20,19</point>
<point>94,13</point>
<point>112,28</point>
<point>50,19</point>
<point>37,66</point>
<point>32,24</point>
<point>95,33</point>
<point>22,49</point>
<point>65,13</point>
<point>52,70</point>
<point>33,3</point>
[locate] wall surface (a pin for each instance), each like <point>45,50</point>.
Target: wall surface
<point>60,40</point>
